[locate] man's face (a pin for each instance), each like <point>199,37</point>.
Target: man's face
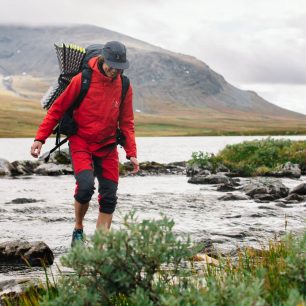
<point>110,72</point>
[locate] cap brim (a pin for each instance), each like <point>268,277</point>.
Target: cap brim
<point>116,65</point>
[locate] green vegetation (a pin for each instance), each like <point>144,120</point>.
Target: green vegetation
<point>20,117</point>
<point>255,157</point>
<point>144,263</point>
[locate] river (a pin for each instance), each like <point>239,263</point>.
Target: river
<point>195,209</point>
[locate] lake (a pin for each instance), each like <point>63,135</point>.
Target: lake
<point>159,149</point>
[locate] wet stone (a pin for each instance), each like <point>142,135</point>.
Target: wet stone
<point>233,217</point>
<point>61,157</point>
<point>294,198</point>
<point>53,169</point>
<point>233,197</point>
<point>283,205</point>
<point>233,234</point>
<point>226,187</point>
<point>35,253</point>
<point>210,179</point>
<point>265,189</point>
<point>300,189</point>
<point>24,167</point>
<point>23,201</point>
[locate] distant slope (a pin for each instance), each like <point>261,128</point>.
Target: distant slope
<point>168,87</point>
<point>158,76</point>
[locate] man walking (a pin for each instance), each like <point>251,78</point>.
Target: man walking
<point>93,148</point>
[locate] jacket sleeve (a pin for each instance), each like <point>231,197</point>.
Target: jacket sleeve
<point>58,108</point>
<point>126,124</point>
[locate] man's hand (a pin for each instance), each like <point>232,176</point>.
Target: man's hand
<point>135,163</point>
<point>36,148</point>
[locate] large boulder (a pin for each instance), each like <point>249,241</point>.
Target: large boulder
<point>5,167</point>
<point>28,253</point>
<point>266,189</point>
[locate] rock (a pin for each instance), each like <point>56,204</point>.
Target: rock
<point>149,166</point>
<point>303,169</point>
<point>154,168</point>
<point>232,234</point>
<point>226,187</point>
<point>259,198</point>
<point>5,167</point>
<point>205,246</point>
<point>181,164</point>
<point>192,170</point>
<point>266,189</point>
<point>195,169</point>
<point>288,170</point>
<point>210,179</point>
<point>233,217</point>
<point>222,168</point>
<point>24,167</point>
<point>53,169</point>
<point>23,252</point>
<point>300,189</point>
<point>204,173</point>
<point>22,201</point>
<point>293,198</point>
<point>60,157</point>
<point>233,197</point>
<point>14,288</point>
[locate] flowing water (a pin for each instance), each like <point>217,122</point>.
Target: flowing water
<point>195,209</point>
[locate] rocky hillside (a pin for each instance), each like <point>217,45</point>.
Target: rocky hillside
<point>163,81</point>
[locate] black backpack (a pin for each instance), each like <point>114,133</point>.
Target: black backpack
<point>73,60</point>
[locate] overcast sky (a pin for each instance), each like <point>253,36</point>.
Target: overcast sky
<point>255,44</point>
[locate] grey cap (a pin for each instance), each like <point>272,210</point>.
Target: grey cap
<point>114,53</point>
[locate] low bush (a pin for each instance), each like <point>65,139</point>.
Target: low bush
<point>255,157</point>
<point>144,263</point>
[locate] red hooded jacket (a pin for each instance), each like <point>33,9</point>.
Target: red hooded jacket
<point>100,112</point>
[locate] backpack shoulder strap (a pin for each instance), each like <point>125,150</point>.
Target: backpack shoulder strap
<point>125,81</point>
<point>86,79</point>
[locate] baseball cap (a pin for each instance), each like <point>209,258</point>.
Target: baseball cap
<point>114,53</point>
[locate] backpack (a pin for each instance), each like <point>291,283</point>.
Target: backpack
<point>73,60</point>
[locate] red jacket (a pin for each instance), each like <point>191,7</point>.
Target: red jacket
<point>99,113</point>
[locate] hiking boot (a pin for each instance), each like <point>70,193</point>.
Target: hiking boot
<point>77,237</point>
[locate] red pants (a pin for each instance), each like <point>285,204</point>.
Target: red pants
<point>88,161</point>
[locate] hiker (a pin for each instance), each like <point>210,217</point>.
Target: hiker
<point>93,148</point>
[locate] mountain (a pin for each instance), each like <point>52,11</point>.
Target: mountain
<point>165,83</point>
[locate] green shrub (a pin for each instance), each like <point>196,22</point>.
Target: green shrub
<point>139,263</point>
<point>145,264</point>
<point>251,157</point>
